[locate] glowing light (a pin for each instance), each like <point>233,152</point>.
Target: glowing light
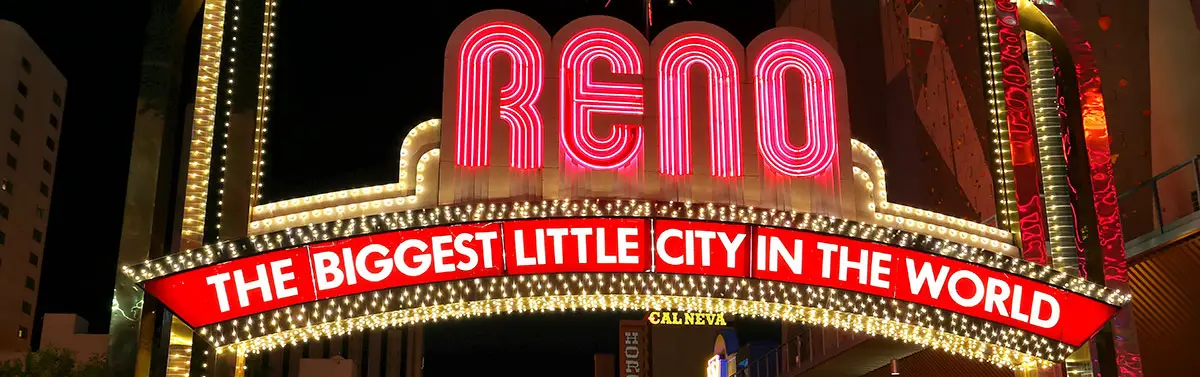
<point>820,151</point>
<point>517,100</point>
<point>1025,171</point>
<point>208,77</point>
<point>1005,198</point>
<point>1056,188</point>
<point>674,116</point>
<point>581,97</point>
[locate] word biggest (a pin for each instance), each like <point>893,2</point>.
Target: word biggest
<point>601,77</point>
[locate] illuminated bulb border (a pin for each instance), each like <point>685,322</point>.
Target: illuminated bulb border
<point>208,78</point>
<point>230,65</point>
<point>264,99</point>
<point>398,196</point>
<point>875,316</point>
<point>919,220</point>
<point>469,213</point>
<point>1056,190</point>
<point>1000,140</point>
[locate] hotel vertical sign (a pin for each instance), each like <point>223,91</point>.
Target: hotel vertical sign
<point>634,360</point>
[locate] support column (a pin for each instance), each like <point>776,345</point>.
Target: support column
<point>151,185</point>
<point>415,351</point>
<point>239,368</point>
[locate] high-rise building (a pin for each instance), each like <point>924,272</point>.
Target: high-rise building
<point>32,94</point>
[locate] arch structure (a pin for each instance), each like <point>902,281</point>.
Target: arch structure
<point>1051,80</point>
<point>788,223</point>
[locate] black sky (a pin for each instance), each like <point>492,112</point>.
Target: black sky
<point>350,79</point>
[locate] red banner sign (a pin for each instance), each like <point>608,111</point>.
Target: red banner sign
<point>445,253</point>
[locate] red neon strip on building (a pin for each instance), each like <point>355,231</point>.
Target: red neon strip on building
<point>1104,189</point>
<point>1026,173</point>
<point>581,97</point>
<point>820,151</point>
<point>674,117</point>
<point>517,99</point>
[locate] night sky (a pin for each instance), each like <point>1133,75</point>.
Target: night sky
<point>350,80</point>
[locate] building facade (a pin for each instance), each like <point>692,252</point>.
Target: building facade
<point>922,63</point>
<point>70,332</point>
<point>32,100</point>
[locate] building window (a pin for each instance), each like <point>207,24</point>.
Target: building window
<point>26,66</point>
<point>26,308</point>
<point>33,259</point>
<point>41,213</point>
<point>11,161</point>
<point>2,236</point>
<point>21,88</point>
<point>3,210</point>
<point>50,143</point>
<point>14,136</point>
<point>57,99</point>
<point>54,121</point>
<point>47,166</point>
<point>22,332</point>
<point>29,283</point>
<point>19,112</point>
<point>37,235</point>
<point>45,190</point>
<point>6,185</point>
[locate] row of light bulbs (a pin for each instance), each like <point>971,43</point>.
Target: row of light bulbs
<point>468,213</point>
<point>875,316</point>
<point>391,197</point>
<point>919,220</point>
<point>208,78</point>
<point>1060,219</point>
<point>995,89</point>
<point>263,107</point>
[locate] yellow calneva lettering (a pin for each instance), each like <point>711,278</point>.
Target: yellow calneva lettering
<point>686,319</point>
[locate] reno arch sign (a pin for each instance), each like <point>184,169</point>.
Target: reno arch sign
<point>597,109</point>
<point>603,70</point>
<point>594,170</point>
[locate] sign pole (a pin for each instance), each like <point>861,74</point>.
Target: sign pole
<point>151,184</point>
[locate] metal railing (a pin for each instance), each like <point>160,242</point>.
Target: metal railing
<point>1183,206</point>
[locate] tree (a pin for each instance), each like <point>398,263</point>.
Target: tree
<point>52,362</point>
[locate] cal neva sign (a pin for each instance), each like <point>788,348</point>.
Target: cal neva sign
<point>686,318</point>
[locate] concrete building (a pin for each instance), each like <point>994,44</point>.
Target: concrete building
<point>920,61</point>
<point>70,332</point>
<point>32,95</point>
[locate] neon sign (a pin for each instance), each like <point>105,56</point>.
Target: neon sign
<point>519,248</point>
<point>587,99</point>
<point>605,85</point>
<point>516,102</point>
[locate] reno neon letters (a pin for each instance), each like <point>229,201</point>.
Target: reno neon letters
<point>605,86</point>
